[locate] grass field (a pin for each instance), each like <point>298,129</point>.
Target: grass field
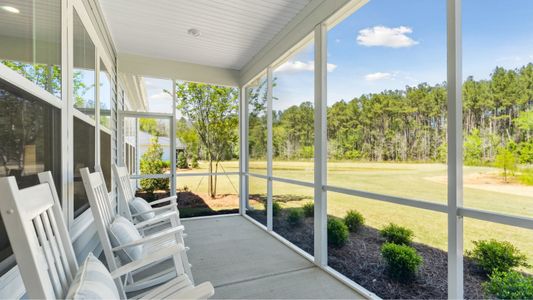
<point>416,181</point>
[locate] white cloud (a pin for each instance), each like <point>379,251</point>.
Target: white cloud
<point>300,66</point>
<point>162,96</point>
<point>379,76</point>
<point>331,67</point>
<point>385,36</point>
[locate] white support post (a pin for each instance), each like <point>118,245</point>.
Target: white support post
<point>320,199</point>
<point>269,150</point>
<point>97,109</point>
<point>67,124</point>
<point>173,142</point>
<point>243,151</point>
<point>121,149</point>
<point>137,150</point>
<point>455,152</point>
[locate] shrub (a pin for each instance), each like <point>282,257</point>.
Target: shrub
<point>295,217</point>
<point>152,163</point>
<point>276,208</point>
<point>493,255</point>
<point>182,161</point>
<point>337,232</point>
<point>354,220</point>
<point>397,234</point>
<point>509,285</point>
<point>506,160</point>
<point>526,176</point>
<point>194,162</point>
<point>402,261</point>
<point>309,209</point>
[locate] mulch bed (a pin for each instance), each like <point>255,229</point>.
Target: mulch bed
<point>191,204</point>
<point>361,261</point>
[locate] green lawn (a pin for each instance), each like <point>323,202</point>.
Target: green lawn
<point>417,181</point>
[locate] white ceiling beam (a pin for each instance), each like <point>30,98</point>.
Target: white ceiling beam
<point>169,69</point>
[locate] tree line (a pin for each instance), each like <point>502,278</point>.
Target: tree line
<point>408,124</point>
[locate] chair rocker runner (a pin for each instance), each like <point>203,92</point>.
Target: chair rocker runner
<point>122,242</point>
<point>46,260</point>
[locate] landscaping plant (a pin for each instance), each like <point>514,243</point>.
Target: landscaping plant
<point>182,161</point>
<point>337,232</point>
<point>295,217</point>
<point>493,255</point>
<point>354,220</point>
<point>509,285</point>
<point>276,208</point>
<point>309,209</point>
<point>402,261</point>
<point>152,163</point>
<point>397,234</point>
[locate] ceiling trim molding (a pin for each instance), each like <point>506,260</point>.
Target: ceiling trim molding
<point>170,69</point>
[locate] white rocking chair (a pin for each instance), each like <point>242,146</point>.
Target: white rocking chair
<point>104,214</point>
<point>43,249</point>
<point>127,195</point>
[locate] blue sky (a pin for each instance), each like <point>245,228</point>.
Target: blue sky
<point>388,44</point>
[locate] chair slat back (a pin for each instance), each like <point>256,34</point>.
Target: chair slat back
<point>102,209</point>
<point>39,238</point>
<point>125,190</point>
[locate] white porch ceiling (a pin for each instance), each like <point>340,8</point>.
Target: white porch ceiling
<point>232,31</point>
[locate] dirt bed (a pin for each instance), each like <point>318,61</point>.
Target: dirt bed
<point>360,260</point>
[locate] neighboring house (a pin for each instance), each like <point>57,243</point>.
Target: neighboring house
<point>145,140</point>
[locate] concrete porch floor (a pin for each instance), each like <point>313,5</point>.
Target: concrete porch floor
<point>244,262</point>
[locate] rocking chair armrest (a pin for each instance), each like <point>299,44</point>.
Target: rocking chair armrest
<point>161,218</point>
<point>152,237</point>
<point>171,199</point>
<point>156,209</point>
<point>156,256</point>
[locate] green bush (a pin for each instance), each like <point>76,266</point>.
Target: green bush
<point>526,176</point>
<point>337,233</point>
<point>402,261</point>
<point>509,285</point>
<point>506,160</point>
<point>276,208</point>
<point>397,234</point>
<point>194,162</point>
<point>295,217</point>
<point>182,161</point>
<point>152,163</point>
<point>354,220</point>
<point>309,209</point>
<point>493,255</point>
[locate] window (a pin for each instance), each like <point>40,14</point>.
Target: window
<point>256,95</point>
<point>84,147</point>
<point>207,142</point>
<point>387,135</point>
<point>156,95</point>
<point>257,199</point>
<point>293,214</point>
<point>497,126</point>
<point>84,69</point>
<point>105,97</point>
<point>498,107</point>
<point>107,110</point>
<point>30,132</point>
<point>293,116</point>
<point>30,36</point>
<point>149,140</point>
<point>105,157</point>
